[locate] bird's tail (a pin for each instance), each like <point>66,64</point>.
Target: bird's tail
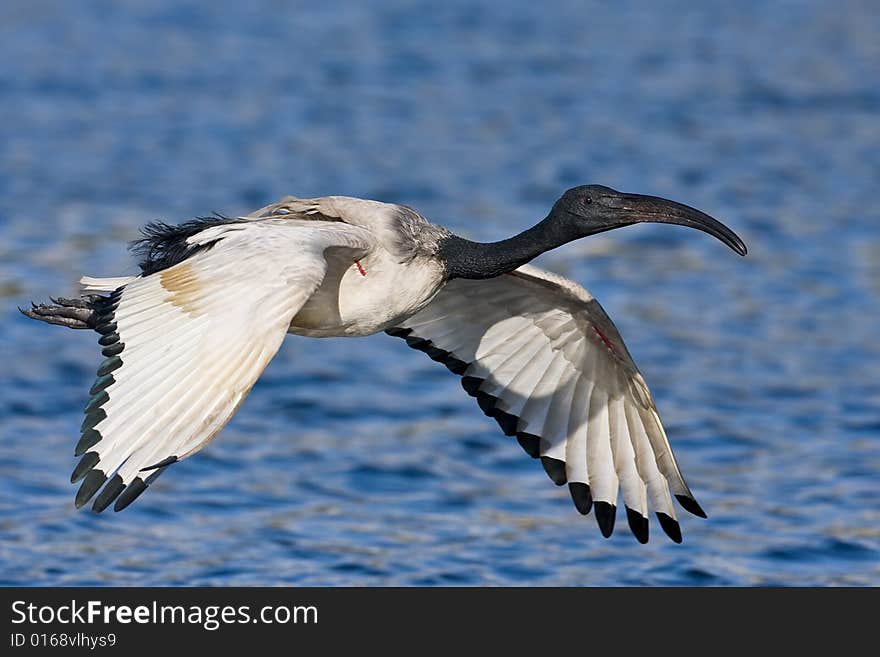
<point>73,313</point>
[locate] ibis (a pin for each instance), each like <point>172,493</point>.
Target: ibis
<point>185,340</point>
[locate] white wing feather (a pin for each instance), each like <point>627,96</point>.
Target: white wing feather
<point>186,344</point>
<point>543,358</point>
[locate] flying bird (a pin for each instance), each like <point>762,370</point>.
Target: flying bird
<point>186,339</point>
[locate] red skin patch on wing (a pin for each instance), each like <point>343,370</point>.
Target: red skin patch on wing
<point>605,340</point>
<point>360,269</point>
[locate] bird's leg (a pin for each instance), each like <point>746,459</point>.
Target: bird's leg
<point>72,313</point>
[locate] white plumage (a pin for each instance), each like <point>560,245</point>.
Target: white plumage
<point>547,354</point>
<point>187,339</point>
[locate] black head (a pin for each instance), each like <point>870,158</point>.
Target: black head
<point>595,209</point>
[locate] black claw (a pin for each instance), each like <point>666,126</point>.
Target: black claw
<point>90,438</point>
<point>555,469</point>
<point>398,332</point>
<point>130,494</point>
<point>580,495</point>
<point>690,504</point>
<point>86,463</point>
<point>97,401</point>
<point>530,443</point>
<point>93,418</point>
<point>60,315</point>
<point>638,524</point>
<point>471,384</point>
<point>670,526</point>
<point>110,493</point>
<point>109,365</point>
<point>605,514</point>
<point>70,303</point>
<point>90,485</point>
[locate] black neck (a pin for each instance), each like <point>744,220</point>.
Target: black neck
<point>478,260</point>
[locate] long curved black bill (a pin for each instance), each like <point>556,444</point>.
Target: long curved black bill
<point>633,208</point>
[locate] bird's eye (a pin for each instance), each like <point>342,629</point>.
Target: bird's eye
<point>587,199</point>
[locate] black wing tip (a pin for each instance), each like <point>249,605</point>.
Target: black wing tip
<point>436,354</point>
<point>670,526</point>
<point>92,419</point>
<point>109,339</point>
<point>506,421</point>
<point>555,469</point>
<point>486,402</point>
<point>106,328</point>
<point>114,349</point>
<point>415,342</point>
<point>530,443</point>
<point>96,402</point>
<point>453,364</point>
<point>581,496</point>
<point>86,463</point>
<point>605,515</point>
<point>130,494</point>
<point>638,525</point>
<point>397,332</point>
<point>89,438</point>
<point>471,384</point>
<point>690,504</point>
<point>109,365</point>
<point>489,405</point>
<point>102,382</point>
<point>90,485</point>
<point>111,491</point>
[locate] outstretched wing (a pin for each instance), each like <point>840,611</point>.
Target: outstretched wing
<point>184,346</point>
<point>543,358</point>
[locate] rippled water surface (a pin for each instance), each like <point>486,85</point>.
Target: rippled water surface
<point>362,462</point>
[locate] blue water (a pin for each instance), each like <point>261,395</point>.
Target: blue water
<point>361,462</point>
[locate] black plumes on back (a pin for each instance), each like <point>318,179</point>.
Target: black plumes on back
<point>162,245</point>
